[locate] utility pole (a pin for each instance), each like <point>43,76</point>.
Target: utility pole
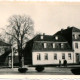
<point>12,57</point>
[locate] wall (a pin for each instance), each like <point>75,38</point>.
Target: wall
<point>76,50</point>
<point>50,58</point>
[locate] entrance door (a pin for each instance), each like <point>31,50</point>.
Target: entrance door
<point>77,57</point>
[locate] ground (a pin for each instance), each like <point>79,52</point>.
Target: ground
<point>47,71</point>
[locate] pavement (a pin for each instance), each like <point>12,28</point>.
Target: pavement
<point>32,71</point>
<point>47,71</point>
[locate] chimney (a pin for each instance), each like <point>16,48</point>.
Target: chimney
<point>43,33</point>
<point>62,30</point>
<point>68,27</point>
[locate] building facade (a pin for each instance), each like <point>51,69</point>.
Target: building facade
<point>5,50</point>
<point>50,49</point>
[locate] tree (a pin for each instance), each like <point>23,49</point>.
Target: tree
<point>20,30</point>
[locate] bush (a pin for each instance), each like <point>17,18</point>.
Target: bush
<point>76,71</point>
<point>39,68</point>
<point>22,70</point>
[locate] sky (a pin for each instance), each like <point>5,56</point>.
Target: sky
<point>48,17</point>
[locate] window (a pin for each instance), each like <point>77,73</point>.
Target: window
<point>79,35</point>
<point>76,45</point>
<point>45,45</point>
<point>38,56</point>
<point>53,45</point>
<point>0,50</point>
<point>55,56</point>
<point>69,55</point>
<point>75,36</point>
<point>41,36</point>
<point>63,55</point>
<point>56,37</point>
<point>46,56</point>
<point>62,45</point>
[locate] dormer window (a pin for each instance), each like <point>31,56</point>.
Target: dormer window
<point>76,45</point>
<point>45,45</point>
<point>75,36</point>
<point>56,37</point>
<point>41,36</point>
<point>53,45</point>
<point>79,35</point>
<point>62,45</point>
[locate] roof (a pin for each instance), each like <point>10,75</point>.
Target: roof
<point>67,34</point>
<point>75,29</point>
<point>45,38</point>
<point>49,38</point>
<point>64,35</point>
<point>60,38</point>
<point>4,44</point>
<point>38,46</point>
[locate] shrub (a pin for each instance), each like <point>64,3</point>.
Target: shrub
<point>22,70</point>
<point>39,68</point>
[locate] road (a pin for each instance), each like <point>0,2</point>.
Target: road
<point>32,71</point>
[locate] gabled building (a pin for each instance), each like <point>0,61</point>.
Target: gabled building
<point>72,35</point>
<point>50,49</point>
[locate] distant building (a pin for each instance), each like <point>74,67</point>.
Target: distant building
<point>49,50</point>
<point>5,50</point>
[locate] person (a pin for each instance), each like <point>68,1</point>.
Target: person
<point>59,63</point>
<point>65,63</point>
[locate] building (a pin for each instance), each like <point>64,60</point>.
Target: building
<point>50,49</point>
<point>5,50</point>
<point>72,35</point>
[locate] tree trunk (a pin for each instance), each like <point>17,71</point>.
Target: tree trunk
<point>19,56</point>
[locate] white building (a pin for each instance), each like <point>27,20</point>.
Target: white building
<point>49,50</point>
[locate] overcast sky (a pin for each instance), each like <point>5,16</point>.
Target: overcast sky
<point>48,17</point>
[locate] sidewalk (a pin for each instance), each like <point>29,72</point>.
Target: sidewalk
<point>32,71</point>
<point>72,66</point>
<point>48,70</point>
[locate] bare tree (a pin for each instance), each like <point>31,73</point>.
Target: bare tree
<point>20,29</point>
